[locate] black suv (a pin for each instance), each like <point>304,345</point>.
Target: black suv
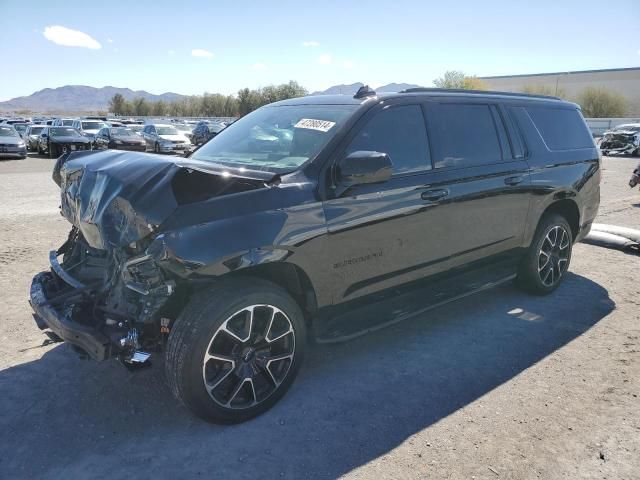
<point>317,217</point>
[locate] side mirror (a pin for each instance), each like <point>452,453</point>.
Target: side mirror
<point>364,167</point>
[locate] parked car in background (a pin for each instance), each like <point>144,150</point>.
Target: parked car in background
<point>11,143</point>
<point>114,123</point>
<point>55,141</point>
<point>119,138</point>
<point>205,132</point>
<point>622,139</point>
<point>88,128</point>
<point>164,138</point>
<point>63,122</point>
<point>21,128</point>
<point>31,136</point>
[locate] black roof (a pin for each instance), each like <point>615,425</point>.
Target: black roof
<point>351,100</point>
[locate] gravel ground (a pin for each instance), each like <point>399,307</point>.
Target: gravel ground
<point>500,385</point>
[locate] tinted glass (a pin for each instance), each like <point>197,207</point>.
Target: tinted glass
<point>561,128</point>
<point>36,130</point>
<point>92,125</point>
<point>399,132</point>
<point>63,132</point>
<point>278,139</point>
<point>166,130</point>
<point>8,132</point>
<point>121,132</point>
<point>463,135</point>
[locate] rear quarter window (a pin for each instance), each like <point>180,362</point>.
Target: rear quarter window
<point>561,128</point>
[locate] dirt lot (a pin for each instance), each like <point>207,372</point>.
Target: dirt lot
<point>499,386</point>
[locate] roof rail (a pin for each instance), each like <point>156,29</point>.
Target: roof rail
<point>477,92</point>
<point>365,91</point>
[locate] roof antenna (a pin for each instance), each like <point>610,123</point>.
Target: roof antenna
<point>365,91</point>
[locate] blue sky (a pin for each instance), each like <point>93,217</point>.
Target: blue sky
<point>154,45</point>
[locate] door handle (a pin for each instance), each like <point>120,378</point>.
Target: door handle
<point>514,180</point>
<point>434,195</point>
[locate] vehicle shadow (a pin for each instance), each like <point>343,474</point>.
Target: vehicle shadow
<point>64,417</point>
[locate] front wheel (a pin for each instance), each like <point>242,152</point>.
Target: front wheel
<point>235,350</point>
<point>547,260</point>
<point>53,151</point>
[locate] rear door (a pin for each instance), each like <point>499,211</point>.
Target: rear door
<point>486,178</point>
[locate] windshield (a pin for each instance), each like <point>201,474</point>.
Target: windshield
<point>278,139</point>
<point>36,130</point>
<point>63,132</point>
<point>166,130</point>
<point>67,122</point>
<point>20,127</point>
<point>8,132</point>
<point>184,128</point>
<point>92,125</point>
<point>121,132</point>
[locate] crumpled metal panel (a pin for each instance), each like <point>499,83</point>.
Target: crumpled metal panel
<point>116,198</point>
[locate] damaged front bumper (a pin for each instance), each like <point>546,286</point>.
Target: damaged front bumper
<point>105,304</point>
<point>47,316</point>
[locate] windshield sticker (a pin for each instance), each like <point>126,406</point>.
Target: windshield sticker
<point>311,124</point>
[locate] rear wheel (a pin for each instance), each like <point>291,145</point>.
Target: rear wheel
<point>235,350</point>
<point>547,260</point>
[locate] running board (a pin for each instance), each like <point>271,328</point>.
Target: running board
<point>361,321</point>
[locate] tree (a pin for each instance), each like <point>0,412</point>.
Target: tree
<point>116,104</point>
<point>457,79</point>
<point>159,108</point>
<point>598,102</point>
<point>141,107</point>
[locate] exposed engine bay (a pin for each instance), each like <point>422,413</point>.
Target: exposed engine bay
<point>117,293</point>
<point>623,139</point>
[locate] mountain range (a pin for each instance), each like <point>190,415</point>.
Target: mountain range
<point>78,98</point>
<point>353,88</point>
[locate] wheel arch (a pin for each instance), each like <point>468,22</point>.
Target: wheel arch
<point>568,209</point>
<point>288,276</point>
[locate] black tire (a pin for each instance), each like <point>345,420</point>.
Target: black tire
<point>199,327</point>
<point>156,148</point>
<point>53,151</point>
<point>533,273</point>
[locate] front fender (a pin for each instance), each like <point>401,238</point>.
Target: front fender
<point>209,250</point>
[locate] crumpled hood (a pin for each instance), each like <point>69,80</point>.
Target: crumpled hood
<point>116,198</point>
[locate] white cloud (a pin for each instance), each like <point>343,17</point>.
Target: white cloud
<point>259,66</point>
<point>199,52</point>
<point>109,40</point>
<point>324,59</point>
<point>171,53</point>
<point>70,38</point>
<point>347,64</point>
<point>310,43</point>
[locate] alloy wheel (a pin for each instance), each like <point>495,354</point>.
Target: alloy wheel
<point>249,356</point>
<point>553,257</point>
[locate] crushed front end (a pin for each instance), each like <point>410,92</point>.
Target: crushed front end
<point>620,141</point>
<point>106,303</point>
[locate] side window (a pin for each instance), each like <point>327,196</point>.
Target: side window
<point>561,128</point>
<point>463,135</point>
<point>398,131</point>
